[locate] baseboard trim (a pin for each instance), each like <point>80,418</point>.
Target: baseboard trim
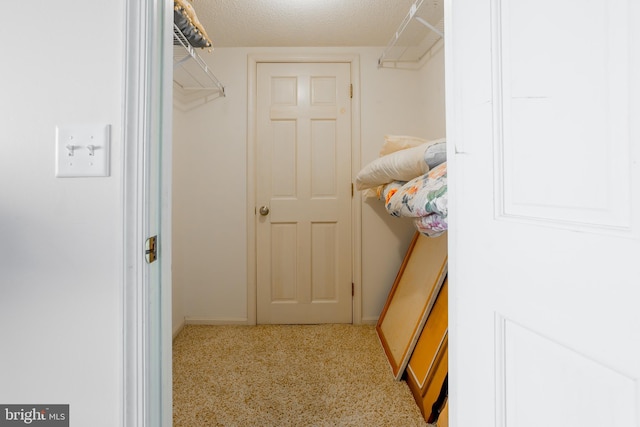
<point>240,321</point>
<point>369,320</point>
<point>178,329</point>
<point>215,321</point>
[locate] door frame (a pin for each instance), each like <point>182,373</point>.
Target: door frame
<point>356,209</point>
<point>147,94</point>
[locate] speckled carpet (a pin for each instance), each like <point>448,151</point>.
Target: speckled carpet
<point>286,375</point>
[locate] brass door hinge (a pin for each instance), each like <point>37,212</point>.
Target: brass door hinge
<point>151,249</point>
<point>350,90</point>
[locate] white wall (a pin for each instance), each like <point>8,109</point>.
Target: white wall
<point>60,239</point>
<point>209,199</point>
<point>400,102</point>
<point>179,221</point>
<point>210,169</point>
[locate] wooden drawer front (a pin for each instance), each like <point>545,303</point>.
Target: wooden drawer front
<point>428,365</point>
<point>431,338</point>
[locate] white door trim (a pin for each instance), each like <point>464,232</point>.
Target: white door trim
<point>252,62</point>
<point>147,24</point>
<point>135,363</point>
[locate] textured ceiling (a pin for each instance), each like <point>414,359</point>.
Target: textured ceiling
<point>287,23</point>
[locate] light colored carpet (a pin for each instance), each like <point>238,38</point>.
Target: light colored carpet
<point>287,375</point>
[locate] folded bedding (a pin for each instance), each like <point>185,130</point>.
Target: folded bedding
<point>411,178</point>
<point>403,164</point>
<point>184,16</point>
<point>431,225</point>
<point>423,198</point>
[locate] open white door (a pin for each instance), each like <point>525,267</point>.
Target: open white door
<point>543,107</point>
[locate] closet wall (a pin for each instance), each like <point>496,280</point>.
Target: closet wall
<point>210,181</point>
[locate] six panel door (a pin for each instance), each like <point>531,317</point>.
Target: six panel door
<point>303,205</point>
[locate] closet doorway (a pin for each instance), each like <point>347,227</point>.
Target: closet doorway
<point>303,206</point>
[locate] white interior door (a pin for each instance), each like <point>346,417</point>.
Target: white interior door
<point>303,193</point>
<point>543,107</point>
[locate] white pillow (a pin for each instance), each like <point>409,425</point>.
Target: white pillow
<point>402,165</point>
<point>436,153</point>
<point>393,143</point>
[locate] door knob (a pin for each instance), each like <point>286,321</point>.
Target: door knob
<point>264,210</point>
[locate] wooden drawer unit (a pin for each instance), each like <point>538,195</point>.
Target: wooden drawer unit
<point>428,365</point>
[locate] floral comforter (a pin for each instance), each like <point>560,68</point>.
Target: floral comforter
<point>424,198</point>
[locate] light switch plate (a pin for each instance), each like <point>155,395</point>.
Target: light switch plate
<point>82,150</point>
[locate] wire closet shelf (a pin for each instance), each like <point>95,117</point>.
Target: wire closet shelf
<point>417,35</point>
<point>191,73</point>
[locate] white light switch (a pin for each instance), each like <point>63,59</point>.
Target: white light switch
<point>82,150</point>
